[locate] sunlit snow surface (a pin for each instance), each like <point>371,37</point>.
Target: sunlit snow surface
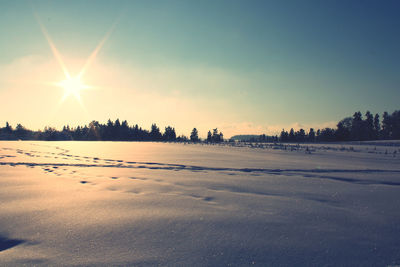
<point>147,204</point>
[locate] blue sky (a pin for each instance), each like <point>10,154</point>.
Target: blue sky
<point>242,66</point>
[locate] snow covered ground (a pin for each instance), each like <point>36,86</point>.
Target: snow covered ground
<point>147,204</point>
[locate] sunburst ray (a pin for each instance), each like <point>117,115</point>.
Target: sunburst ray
<point>53,48</point>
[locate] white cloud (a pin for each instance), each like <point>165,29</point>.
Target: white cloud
<point>183,98</point>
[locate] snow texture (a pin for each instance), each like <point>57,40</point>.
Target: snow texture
<point>162,204</point>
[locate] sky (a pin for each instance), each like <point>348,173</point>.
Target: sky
<point>244,67</point>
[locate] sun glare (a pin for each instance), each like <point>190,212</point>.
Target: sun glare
<point>73,86</point>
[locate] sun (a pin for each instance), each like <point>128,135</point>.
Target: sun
<point>72,87</point>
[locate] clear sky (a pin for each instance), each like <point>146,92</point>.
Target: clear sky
<point>246,67</point>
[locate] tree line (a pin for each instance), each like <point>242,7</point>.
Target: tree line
<point>111,131</point>
<point>355,128</point>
